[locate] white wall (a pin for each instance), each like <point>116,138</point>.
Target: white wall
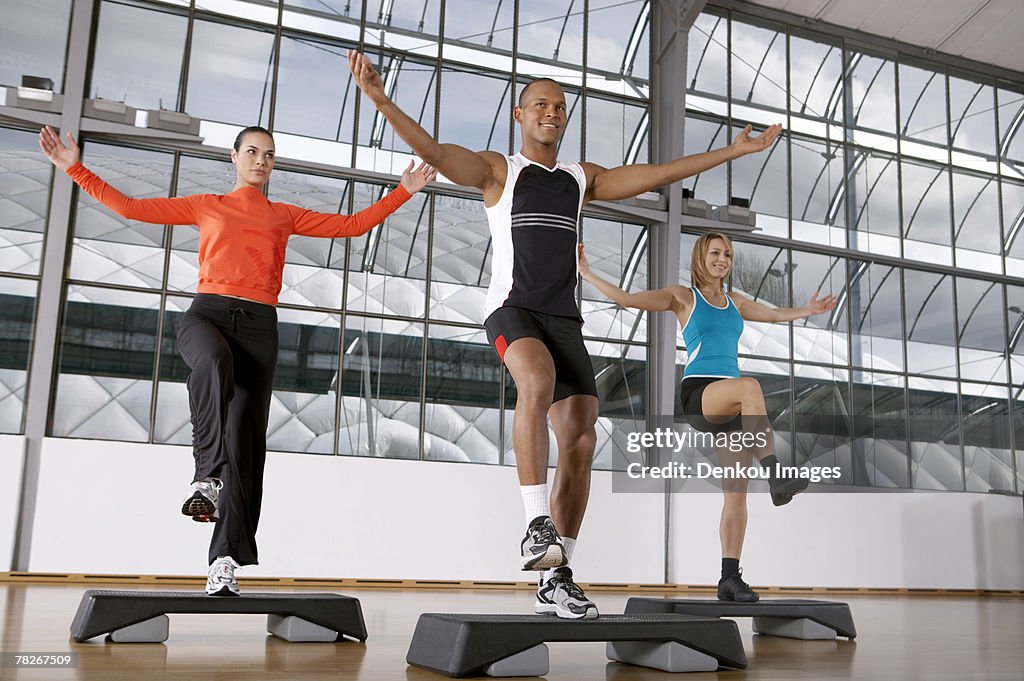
<point>12,459</point>
<point>111,507</point>
<point>830,538</point>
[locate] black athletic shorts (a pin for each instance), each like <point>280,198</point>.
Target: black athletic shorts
<point>691,392</point>
<point>563,337</point>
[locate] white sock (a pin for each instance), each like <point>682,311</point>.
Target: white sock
<point>536,501</point>
<point>570,545</point>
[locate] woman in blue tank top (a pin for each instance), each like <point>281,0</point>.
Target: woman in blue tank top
<point>714,397</point>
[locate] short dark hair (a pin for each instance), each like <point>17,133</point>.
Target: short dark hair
<point>246,131</point>
<point>522,93</point>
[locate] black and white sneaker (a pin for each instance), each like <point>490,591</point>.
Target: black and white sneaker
<point>733,588</point>
<point>220,580</point>
<point>542,547</point>
<point>201,503</point>
<point>562,597</point>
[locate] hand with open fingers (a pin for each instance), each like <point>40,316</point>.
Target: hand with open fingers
<point>746,144</point>
<point>61,156</point>
<point>415,180</point>
<point>827,303</point>
<point>366,77</point>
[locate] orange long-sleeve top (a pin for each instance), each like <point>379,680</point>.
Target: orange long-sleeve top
<point>242,235</point>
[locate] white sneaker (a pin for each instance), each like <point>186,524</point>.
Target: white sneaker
<point>201,503</point>
<point>562,597</point>
<point>220,581</point>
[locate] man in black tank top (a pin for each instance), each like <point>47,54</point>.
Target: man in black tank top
<point>543,349</point>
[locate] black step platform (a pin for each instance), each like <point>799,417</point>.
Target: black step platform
<point>771,616</point>
<point>106,612</point>
<point>464,645</point>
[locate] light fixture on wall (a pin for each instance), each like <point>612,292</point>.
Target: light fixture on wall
<point>172,121</point>
<point>694,206</point>
<point>109,110</point>
<point>36,93</point>
<point>737,212</point>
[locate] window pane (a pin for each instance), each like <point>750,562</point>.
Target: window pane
<point>475,109</point>
<point>815,78</point>
<point>707,57</point>
<point>17,327</point>
<point>312,271</point>
<point>381,381</point>
<point>762,178</point>
<point>621,375</point>
<point>988,458</point>
<point>931,336</point>
<point>874,201</point>
<point>758,65</point>
<point>25,177</point>
<point>613,37</point>
<point>335,18</point>
<point>1011,124</point>
<point>550,30</point>
<point>925,191</point>
<point>617,251</point>
<point>388,266</point>
<point>1013,227</point>
<point>173,419</point>
<point>1015,319</point>
<point>461,268</point>
<point>463,415</point>
<point>33,40</point>
<point>229,74</point>
<point>880,456</point>
<point>137,57</point>
<point>980,309</point>
<point>821,407</point>
<point>935,435</point>
<point>704,135</point>
<point>976,221</point>
<point>823,337</point>
<point>873,89</point>
<point>480,22</point>
<point>315,94</point>
<point>107,351</point>
<point>923,105</point>
<point>107,247</point>
<point>876,317</point>
<point>303,407</point>
<point>972,123</point>
<point>762,273</point>
<point>817,192</point>
<point>616,133</point>
<point>412,87</point>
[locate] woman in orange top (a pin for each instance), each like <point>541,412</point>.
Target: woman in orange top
<point>228,337</point>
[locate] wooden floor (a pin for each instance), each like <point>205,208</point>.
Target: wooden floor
<point>908,637</point>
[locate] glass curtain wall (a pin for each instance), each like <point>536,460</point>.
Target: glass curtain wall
<point>899,189</point>
<point>382,346</point>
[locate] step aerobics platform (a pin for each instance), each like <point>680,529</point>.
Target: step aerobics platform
<point>512,645</point>
<point>141,616</point>
<point>792,618</point>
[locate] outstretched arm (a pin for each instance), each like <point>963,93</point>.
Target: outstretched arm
<point>660,300</point>
<point>458,164</point>
<point>175,211</point>
<point>312,223</point>
<point>756,312</point>
<point>609,184</point>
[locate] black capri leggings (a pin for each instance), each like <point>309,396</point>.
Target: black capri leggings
<point>231,347</point>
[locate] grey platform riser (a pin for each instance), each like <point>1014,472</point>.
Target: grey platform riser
<point>531,662</point>
<point>668,656</point>
<point>802,628</point>
<point>154,630</point>
<point>297,630</point>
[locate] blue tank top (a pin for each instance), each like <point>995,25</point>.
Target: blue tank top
<point>712,338</point>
